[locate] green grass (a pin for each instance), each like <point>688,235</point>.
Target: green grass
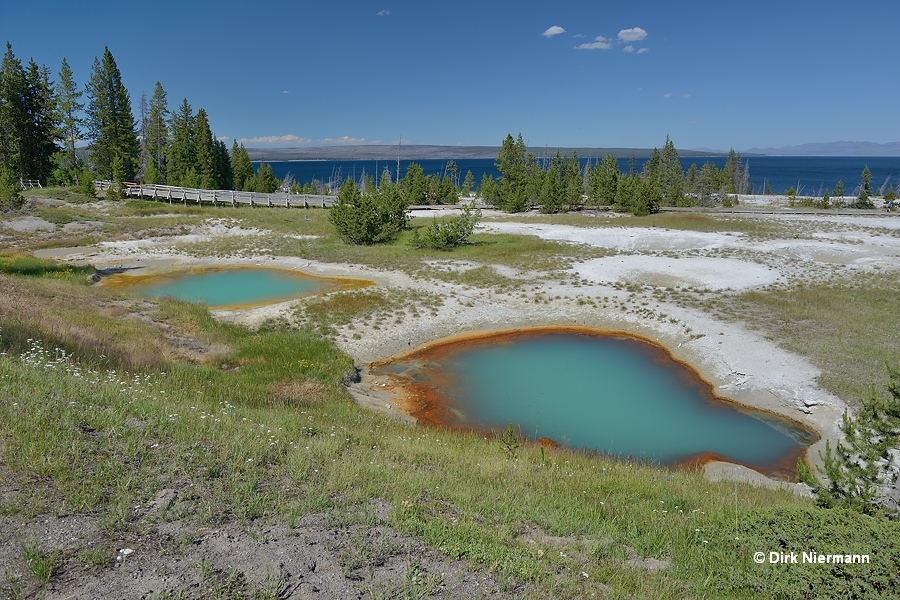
<point>264,431</point>
<point>18,264</point>
<point>70,195</point>
<point>41,565</point>
<point>270,434</point>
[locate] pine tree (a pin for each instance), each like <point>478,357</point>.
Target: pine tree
<point>488,190</point>
<point>110,121</point>
<point>864,472</point>
<point>13,115</point>
<point>204,152</point>
<point>157,129</point>
<point>266,182</point>
<point>607,181</point>
<point>71,123</point>
<point>145,159</point>
<point>732,172</point>
<point>39,145</point>
<point>865,190</point>
<point>518,182</point>
<point>692,179</point>
<point>27,119</point>
<point>574,184</point>
<point>180,158</point>
<point>414,185</point>
<point>468,183</point>
<point>224,175</point>
<point>552,186</point>
<point>241,166</point>
<point>670,179</point>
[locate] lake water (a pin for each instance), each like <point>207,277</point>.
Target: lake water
<point>229,287</point>
<point>810,175</point>
<point>606,393</point>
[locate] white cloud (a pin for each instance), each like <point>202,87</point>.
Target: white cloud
<point>679,96</point>
<point>667,95</point>
<point>599,43</point>
<point>275,139</point>
<point>635,34</point>
<point>628,49</point>
<point>383,13</point>
<point>285,92</point>
<point>642,50</point>
<point>555,30</point>
<point>344,140</point>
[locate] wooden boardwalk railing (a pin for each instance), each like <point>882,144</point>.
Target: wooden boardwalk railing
<point>172,194</point>
<point>30,184</point>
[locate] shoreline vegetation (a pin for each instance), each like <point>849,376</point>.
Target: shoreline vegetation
<point>154,448</point>
<point>426,152</point>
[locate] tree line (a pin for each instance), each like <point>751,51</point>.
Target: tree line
<point>563,184</point>
<point>42,122</point>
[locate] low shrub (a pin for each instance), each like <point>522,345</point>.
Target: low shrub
<point>447,234</point>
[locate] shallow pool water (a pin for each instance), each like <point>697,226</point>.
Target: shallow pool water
<point>229,287</point>
<point>607,393</point>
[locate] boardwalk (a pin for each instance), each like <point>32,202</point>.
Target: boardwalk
<point>172,195</point>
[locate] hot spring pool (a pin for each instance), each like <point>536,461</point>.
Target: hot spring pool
<point>606,393</point>
<point>230,287</point>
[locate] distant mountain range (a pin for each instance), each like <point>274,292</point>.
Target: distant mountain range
<point>832,149</point>
<point>425,152</point>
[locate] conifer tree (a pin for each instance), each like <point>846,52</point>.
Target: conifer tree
<point>157,129</point>
<point>266,182</point>
<point>241,166</point>
<point>71,123</point>
<point>110,121</point>
<point>414,185</point>
<point>670,179</point>
<point>204,152</point>
<point>488,190</point>
<point>550,195</point>
<point>839,189</point>
<point>27,119</point>
<point>468,183</point>
<point>39,144</point>
<point>574,184</point>
<point>863,471</point>
<point>144,160</point>
<point>224,176</point>
<point>13,116</point>
<point>865,190</point>
<point>180,158</point>
<point>692,179</point>
<point>517,186</point>
<point>605,180</point>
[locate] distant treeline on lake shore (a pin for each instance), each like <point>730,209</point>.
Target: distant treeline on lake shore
<point>428,152</point>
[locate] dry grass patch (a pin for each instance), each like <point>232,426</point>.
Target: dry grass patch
<point>301,393</point>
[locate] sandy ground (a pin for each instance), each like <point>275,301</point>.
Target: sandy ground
<point>741,364</point>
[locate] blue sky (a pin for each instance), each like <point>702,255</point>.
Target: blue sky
<point>710,74</point>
